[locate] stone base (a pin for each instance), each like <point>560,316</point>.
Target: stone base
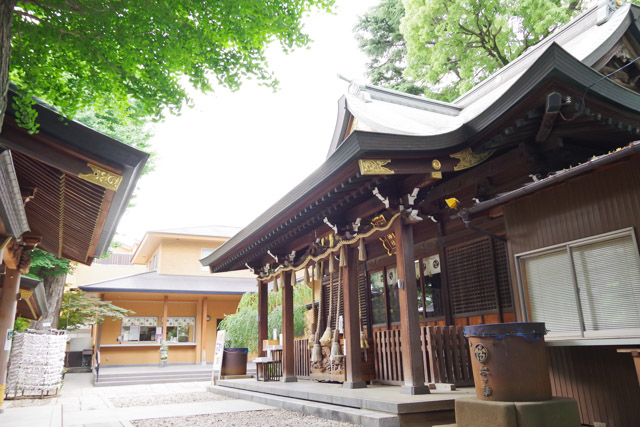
<point>288,379</point>
<point>558,412</point>
<point>415,389</point>
<point>356,384</point>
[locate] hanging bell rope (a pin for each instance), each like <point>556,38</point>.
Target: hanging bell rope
<point>326,337</point>
<point>275,284</point>
<point>316,353</point>
<point>306,277</point>
<point>335,346</point>
<point>343,257</point>
<point>314,323</point>
<point>362,251</point>
<point>332,264</point>
<point>319,270</point>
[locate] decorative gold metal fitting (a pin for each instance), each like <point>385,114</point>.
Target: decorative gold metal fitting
<point>375,167</point>
<point>102,177</point>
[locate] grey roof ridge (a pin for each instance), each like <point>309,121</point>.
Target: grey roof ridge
<point>409,100</point>
<point>554,59</point>
<point>175,230</point>
<point>118,278</point>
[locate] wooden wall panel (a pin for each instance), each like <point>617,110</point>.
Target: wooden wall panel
<point>602,381</point>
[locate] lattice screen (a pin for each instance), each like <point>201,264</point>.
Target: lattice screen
<point>504,287</point>
<point>471,277</point>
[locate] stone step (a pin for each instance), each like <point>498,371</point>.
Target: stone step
<point>328,411</point>
<point>159,380</point>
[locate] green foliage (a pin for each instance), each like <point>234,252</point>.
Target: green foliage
<point>78,309</point>
<point>452,46</point>
<point>45,264</point>
<point>105,54</point>
<point>242,326</point>
<point>378,35</point>
<point>21,324</point>
<point>131,130</point>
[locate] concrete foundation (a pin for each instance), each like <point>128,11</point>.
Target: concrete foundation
<point>557,412</point>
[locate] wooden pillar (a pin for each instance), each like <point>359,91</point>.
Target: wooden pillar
<point>444,277</point>
<point>165,312</point>
<point>203,357</point>
<point>409,322</point>
<point>288,351</point>
<point>8,306</point>
<point>263,315</point>
<point>352,322</point>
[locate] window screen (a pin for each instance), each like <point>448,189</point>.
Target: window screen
<point>604,271</point>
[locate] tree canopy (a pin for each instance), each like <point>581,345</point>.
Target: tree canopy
<point>104,54</point>
<point>452,46</point>
<point>78,309</point>
<point>443,49</point>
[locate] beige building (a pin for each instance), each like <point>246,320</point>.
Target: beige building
<point>175,299</point>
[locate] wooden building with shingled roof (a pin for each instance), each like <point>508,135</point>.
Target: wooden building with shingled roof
<point>518,201</point>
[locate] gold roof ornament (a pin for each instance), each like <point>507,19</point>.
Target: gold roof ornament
<point>375,167</point>
<point>469,159</point>
<point>102,177</point>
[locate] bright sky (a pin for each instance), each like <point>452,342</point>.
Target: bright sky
<point>231,157</point>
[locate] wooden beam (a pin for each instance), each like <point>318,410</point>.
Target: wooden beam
<point>165,312</point>
<point>288,350</point>
<point>263,315</point>
<point>413,368</point>
<point>352,321</point>
<point>203,357</point>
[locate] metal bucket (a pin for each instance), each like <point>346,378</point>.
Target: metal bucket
<point>234,361</point>
<point>509,362</point>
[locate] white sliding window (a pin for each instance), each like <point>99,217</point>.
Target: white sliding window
<point>589,287</point>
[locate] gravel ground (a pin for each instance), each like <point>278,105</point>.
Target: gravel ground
<point>164,399</point>
<point>268,418</point>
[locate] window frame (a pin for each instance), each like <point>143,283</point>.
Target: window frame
<point>567,247</point>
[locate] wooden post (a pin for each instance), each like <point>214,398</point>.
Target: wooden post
<point>165,312</point>
<point>288,351</point>
<point>352,322</point>
<point>8,307</point>
<point>203,357</point>
<point>409,321</point>
<point>444,278</point>
<point>263,315</point>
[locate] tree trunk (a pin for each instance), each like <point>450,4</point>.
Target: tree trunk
<point>6,19</point>
<point>53,288</point>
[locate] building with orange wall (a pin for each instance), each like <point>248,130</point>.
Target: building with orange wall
<point>174,299</point>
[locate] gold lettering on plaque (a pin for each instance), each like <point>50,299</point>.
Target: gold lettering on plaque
<point>375,167</point>
<point>102,177</point>
<point>388,241</point>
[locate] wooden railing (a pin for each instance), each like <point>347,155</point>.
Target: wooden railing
<point>445,355</point>
<point>302,358</point>
<point>388,358</point>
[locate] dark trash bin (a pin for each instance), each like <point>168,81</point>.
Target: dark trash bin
<point>509,361</point>
<point>234,361</point>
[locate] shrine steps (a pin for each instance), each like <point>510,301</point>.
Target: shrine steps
<point>375,405</point>
<point>151,375</point>
<point>322,410</point>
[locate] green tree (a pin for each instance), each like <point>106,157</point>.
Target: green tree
<point>242,326</point>
<point>79,309</point>
<point>452,46</point>
<point>53,272</point>
<point>378,35</point>
<point>77,54</point>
